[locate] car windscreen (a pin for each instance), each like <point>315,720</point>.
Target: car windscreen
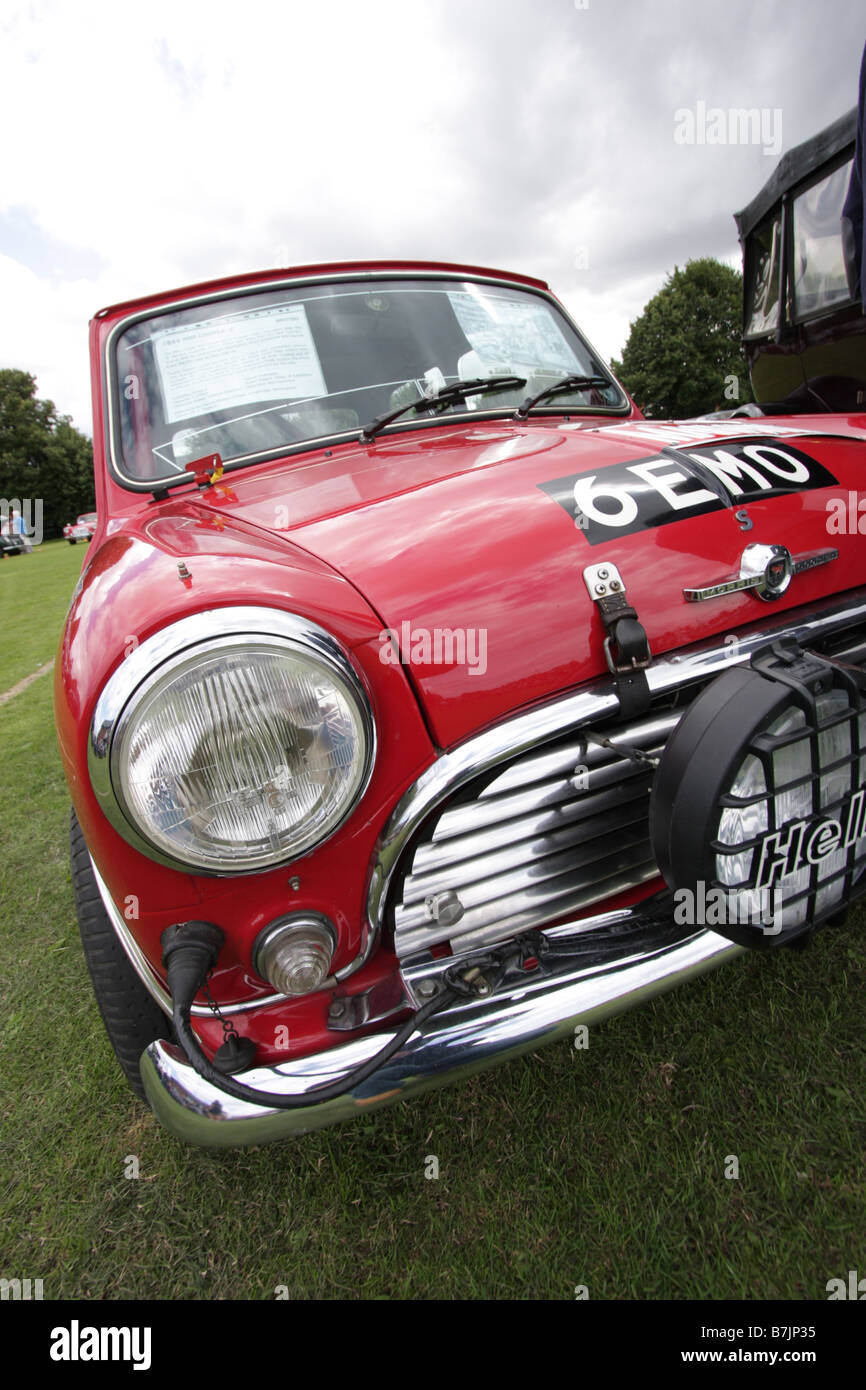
<point>265,371</point>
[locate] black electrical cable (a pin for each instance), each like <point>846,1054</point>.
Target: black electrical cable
<point>193,948</point>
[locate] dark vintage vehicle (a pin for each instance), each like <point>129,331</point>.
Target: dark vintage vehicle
<point>421,702</point>
<point>804,325</point>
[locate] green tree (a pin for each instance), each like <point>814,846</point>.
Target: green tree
<point>684,354</point>
<point>42,455</point>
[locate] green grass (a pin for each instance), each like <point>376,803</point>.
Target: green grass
<point>603,1167</point>
<point>34,594</point>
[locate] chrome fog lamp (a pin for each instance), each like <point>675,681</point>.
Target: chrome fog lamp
<point>294,953</point>
<point>760,797</point>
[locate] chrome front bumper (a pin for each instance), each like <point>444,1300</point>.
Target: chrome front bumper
<point>593,970</point>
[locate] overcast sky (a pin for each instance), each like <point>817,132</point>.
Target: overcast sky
<point>151,145</point>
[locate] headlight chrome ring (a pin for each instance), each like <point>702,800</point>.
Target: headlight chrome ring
<point>232,742</point>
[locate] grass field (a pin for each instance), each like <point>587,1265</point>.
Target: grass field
<point>35,591</point>
<point>603,1168</point>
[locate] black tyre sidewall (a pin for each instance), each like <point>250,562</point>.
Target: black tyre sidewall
<point>131,1016</point>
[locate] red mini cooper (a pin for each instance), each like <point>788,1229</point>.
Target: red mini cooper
<point>421,702</point>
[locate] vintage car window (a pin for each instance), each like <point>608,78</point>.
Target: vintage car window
<point>819,274</point>
<point>762,291</point>
<point>266,370</point>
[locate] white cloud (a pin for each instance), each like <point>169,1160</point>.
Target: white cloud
<point>160,145</point>
<point>44,331</point>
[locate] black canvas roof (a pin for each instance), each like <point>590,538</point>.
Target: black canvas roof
<point>797,164</point>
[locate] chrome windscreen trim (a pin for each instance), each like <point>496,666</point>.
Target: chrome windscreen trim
<point>282,281</point>
<point>507,741</point>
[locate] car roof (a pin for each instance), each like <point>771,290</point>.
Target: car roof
<point>797,165</point>
<point>334,269</point>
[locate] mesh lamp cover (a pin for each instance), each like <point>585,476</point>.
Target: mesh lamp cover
<point>760,797</point>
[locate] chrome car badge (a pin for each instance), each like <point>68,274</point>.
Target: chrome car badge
<point>765,569</point>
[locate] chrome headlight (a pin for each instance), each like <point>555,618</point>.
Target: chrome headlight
<point>233,741</point>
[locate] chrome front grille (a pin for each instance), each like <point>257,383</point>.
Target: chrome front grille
<point>498,835</point>
<point>555,832</point>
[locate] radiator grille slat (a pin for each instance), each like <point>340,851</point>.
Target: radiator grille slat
<point>481,928</point>
<point>603,786</point>
<point>447,866</point>
<point>585,863</point>
<point>534,767</point>
<point>555,831</point>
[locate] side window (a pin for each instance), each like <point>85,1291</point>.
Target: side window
<point>819,265</point>
<point>762,293</point>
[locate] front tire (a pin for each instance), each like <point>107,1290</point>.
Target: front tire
<point>132,1018</point>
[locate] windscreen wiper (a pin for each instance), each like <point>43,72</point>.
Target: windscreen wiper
<point>567,383</point>
<point>480,386</point>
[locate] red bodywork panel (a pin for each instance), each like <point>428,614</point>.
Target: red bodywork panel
<point>441,526</point>
<point>461,536</point>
